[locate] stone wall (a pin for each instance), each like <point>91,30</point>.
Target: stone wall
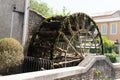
<point>11,18</point>
<point>91,68</point>
<point>34,21</point>
<point>117,70</point>
<point>98,67</point>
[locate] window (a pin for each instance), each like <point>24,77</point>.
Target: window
<point>113,28</point>
<point>104,28</point>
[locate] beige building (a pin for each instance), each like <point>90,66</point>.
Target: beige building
<point>109,24</point>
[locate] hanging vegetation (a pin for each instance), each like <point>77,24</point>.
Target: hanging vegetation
<point>64,39</point>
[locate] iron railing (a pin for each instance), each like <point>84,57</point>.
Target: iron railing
<point>35,64</point>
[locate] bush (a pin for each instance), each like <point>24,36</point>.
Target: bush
<point>112,57</point>
<point>108,45</point>
<point>11,53</point>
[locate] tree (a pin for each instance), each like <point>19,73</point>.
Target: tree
<point>64,12</point>
<point>41,8</point>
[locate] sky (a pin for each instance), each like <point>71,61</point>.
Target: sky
<point>86,6</point>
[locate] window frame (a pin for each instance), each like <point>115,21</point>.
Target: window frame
<point>102,25</point>
<point>111,27</point>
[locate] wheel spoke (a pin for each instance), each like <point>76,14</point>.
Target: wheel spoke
<point>70,28</point>
<point>68,42</point>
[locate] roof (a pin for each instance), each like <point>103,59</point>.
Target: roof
<point>31,10</point>
<point>107,19</point>
<point>104,13</point>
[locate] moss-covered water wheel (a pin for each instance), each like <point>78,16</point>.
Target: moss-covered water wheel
<point>65,40</point>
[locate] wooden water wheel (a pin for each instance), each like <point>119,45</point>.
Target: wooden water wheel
<point>66,39</point>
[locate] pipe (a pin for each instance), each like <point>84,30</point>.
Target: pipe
<point>25,24</point>
<point>11,28</point>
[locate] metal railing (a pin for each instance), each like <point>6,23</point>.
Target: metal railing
<point>35,64</point>
<point>29,64</point>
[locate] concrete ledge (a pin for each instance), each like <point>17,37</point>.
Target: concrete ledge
<point>116,65</point>
<point>61,73</point>
<point>90,60</point>
<point>46,75</point>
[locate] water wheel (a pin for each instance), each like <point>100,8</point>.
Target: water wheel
<point>66,39</point>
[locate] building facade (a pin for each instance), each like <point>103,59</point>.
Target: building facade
<point>109,24</point>
<point>13,21</point>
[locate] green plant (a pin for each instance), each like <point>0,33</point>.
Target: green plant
<point>11,53</point>
<point>96,73</point>
<point>112,57</point>
<point>108,45</point>
<point>41,7</point>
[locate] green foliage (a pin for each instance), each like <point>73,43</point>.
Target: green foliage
<point>11,53</point>
<point>112,57</point>
<point>109,49</point>
<point>41,8</point>
<point>96,73</point>
<point>108,45</point>
<point>64,12</point>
